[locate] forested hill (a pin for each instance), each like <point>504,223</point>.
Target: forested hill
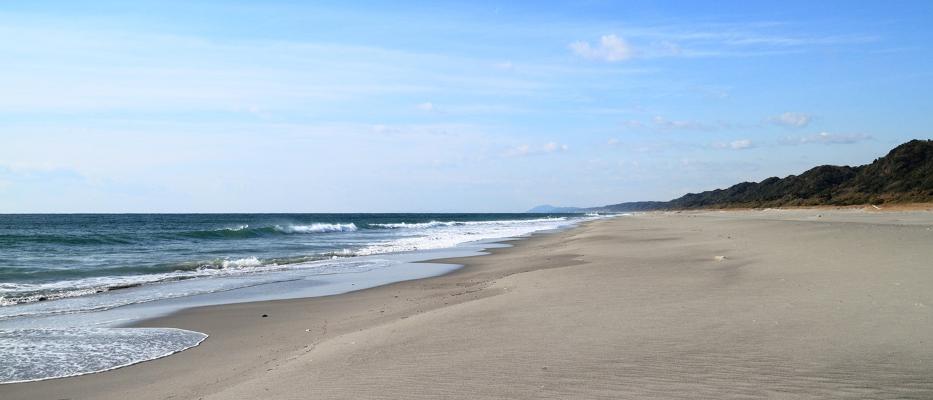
<point>904,175</point>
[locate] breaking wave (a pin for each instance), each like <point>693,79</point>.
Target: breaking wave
<point>316,228</point>
<point>20,293</point>
<point>245,231</point>
<point>433,224</point>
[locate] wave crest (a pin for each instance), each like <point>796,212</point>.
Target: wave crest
<point>316,228</point>
<point>435,223</point>
<point>245,231</point>
<point>415,225</point>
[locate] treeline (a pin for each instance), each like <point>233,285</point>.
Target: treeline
<point>904,175</point>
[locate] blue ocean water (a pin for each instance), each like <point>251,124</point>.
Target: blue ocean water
<point>66,279</point>
<point>45,257</point>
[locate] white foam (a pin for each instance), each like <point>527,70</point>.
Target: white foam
<point>433,224</point>
<point>149,288</point>
<point>241,263</point>
<point>316,228</point>
<point>17,293</point>
<point>38,354</point>
<point>415,225</point>
<point>438,235</point>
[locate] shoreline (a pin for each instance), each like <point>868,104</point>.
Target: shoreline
<point>790,304</point>
<point>184,318</point>
<point>56,327</point>
<point>458,263</point>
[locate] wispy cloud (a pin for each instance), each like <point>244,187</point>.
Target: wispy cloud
<point>658,123</point>
<point>826,138</point>
<point>505,65</point>
<point>610,48</point>
<point>791,120</point>
<point>741,144</point>
<point>747,39</point>
<point>551,147</point>
<point>671,124</point>
<point>527,149</point>
<point>51,72</point>
<point>663,124</point>
<point>737,39</point>
<point>38,174</point>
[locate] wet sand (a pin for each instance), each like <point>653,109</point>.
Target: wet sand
<point>742,304</point>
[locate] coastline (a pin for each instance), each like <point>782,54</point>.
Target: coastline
<point>355,252</point>
<point>122,381</point>
<point>800,305</point>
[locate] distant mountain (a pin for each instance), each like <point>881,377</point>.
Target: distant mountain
<point>549,209</point>
<point>621,207</point>
<point>904,175</point>
<point>633,206</point>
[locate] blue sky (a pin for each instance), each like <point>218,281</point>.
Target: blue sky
<point>432,106</point>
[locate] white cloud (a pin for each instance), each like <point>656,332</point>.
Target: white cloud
<point>633,124</point>
<point>740,144</point>
<point>611,48</point>
<point>664,123</point>
<point>506,65</point>
<point>527,149</point>
<point>195,73</point>
<point>426,106</point>
<point>383,129</point>
<point>518,151</point>
<point>670,48</point>
<point>826,138</point>
<point>551,147</point>
<point>792,120</point>
<point>612,141</point>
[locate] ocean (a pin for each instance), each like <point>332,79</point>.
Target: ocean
<point>69,284</point>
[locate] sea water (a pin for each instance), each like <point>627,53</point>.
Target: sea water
<point>69,283</point>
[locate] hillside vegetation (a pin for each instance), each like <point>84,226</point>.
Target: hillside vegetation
<point>904,175</point>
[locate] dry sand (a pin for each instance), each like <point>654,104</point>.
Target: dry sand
<point>742,304</point>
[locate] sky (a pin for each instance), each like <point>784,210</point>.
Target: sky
<point>290,106</point>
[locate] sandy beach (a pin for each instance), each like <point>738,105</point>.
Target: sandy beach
<point>743,304</point>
